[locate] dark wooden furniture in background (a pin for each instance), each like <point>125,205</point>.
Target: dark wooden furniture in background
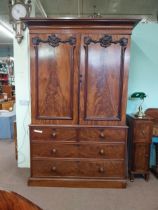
<point>14,201</point>
<point>153,113</point>
<point>8,90</point>
<point>139,140</point>
<point>7,105</point>
<point>79,71</point>
<point>3,78</point>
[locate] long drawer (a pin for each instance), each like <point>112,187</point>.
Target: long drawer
<point>77,134</point>
<point>77,168</point>
<point>78,150</point>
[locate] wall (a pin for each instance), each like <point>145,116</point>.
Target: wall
<point>22,88</point>
<point>143,76</point>
<point>6,50</point>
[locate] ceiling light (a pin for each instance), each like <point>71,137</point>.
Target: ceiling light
<point>5,29</point>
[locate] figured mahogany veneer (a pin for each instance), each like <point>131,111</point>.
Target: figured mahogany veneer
<point>103,134</point>
<point>77,168</point>
<point>52,133</point>
<point>14,201</point>
<point>143,131</point>
<point>79,71</point>
<point>79,150</point>
<point>116,134</point>
<point>139,140</point>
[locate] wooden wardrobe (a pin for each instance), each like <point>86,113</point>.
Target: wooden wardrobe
<point>79,72</point>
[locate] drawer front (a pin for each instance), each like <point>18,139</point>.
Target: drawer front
<point>78,168</point>
<point>103,134</point>
<point>51,133</point>
<point>142,132</point>
<point>79,150</point>
<point>73,134</point>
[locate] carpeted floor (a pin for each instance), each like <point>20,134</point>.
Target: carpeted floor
<point>139,195</point>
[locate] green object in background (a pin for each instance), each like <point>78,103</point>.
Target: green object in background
<point>140,95</point>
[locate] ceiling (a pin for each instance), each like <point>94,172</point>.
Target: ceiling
<point>79,8</point>
<point>105,7</point>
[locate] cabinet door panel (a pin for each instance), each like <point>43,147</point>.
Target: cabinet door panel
<point>141,157</point>
<point>102,87</point>
<point>56,79</point>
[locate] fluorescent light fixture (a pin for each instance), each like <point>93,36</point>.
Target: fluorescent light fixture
<point>5,29</point>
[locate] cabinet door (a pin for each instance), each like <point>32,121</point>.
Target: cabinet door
<point>54,78</point>
<point>141,157</point>
<point>103,75</point>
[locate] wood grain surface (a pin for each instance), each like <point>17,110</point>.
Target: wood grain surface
<point>14,201</point>
<point>79,76</point>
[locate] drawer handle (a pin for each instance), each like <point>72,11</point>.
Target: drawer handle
<point>101,170</point>
<point>37,131</point>
<point>53,168</point>
<point>102,152</point>
<point>54,151</point>
<point>101,135</point>
<point>54,134</point>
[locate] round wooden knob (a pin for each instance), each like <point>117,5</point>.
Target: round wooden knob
<point>54,134</point>
<point>54,150</point>
<point>143,132</point>
<point>101,170</point>
<point>102,152</point>
<point>102,135</point>
<point>53,168</point>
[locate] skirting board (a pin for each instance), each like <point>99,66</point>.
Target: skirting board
<point>77,183</point>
